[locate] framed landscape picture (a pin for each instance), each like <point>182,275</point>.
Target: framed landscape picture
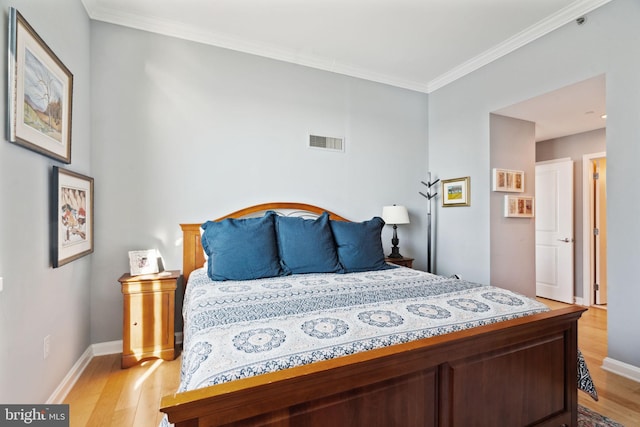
<point>40,93</point>
<point>71,216</point>
<point>508,180</point>
<point>456,192</point>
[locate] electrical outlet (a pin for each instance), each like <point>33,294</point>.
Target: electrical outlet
<point>46,346</point>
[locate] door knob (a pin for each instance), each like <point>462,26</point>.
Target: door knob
<point>566,240</point>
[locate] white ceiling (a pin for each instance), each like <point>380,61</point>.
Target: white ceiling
<point>566,111</point>
<point>415,44</point>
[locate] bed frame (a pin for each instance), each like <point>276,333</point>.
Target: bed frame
<point>519,372</point>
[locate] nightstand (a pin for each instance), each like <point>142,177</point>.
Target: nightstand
<point>147,328</point>
<point>405,262</point>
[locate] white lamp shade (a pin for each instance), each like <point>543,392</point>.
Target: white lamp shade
<point>395,215</point>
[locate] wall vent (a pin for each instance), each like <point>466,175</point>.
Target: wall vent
<point>326,143</point>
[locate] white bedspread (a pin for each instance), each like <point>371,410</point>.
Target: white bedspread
<point>235,330</point>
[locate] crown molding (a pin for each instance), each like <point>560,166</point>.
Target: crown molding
<point>185,32</point>
<point>553,22</point>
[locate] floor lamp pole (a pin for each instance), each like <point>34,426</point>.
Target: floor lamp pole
<point>429,196</point>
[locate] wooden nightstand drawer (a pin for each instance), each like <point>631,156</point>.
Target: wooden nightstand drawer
<point>405,262</point>
<point>148,316</point>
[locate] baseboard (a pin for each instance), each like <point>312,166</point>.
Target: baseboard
<point>100,349</point>
<point>104,348</point>
<point>578,300</point>
<point>60,393</point>
<point>621,368</point>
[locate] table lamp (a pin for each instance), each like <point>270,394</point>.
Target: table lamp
<point>395,215</point>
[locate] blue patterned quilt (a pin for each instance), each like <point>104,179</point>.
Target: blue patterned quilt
<point>235,330</point>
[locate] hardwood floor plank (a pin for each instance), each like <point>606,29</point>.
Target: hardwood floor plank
<point>147,409</point>
<point>104,411</point>
<point>130,396</point>
<point>124,417</point>
<point>88,390</point>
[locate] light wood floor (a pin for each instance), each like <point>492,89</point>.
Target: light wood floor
<point>106,395</point>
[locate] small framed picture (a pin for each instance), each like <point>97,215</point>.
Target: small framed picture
<point>508,180</point>
<point>519,206</point>
<point>40,93</point>
<point>71,216</point>
<point>456,192</point>
<point>143,262</point>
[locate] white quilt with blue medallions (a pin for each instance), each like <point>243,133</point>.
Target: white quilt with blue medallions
<point>235,330</point>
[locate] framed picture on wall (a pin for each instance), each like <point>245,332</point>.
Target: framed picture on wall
<point>40,93</point>
<point>456,192</point>
<point>519,206</point>
<point>71,216</point>
<point>508,180</point>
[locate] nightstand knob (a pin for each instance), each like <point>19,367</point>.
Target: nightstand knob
<point>135,323</point>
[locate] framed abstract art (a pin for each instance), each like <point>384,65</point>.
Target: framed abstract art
<point>519,206</point>
<point>71,216</point>
<point>508,180</point>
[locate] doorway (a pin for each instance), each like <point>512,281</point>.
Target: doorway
<point>595,229</point>
<point>569,123</point>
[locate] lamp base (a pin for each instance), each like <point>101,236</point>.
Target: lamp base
<point>395,253</point>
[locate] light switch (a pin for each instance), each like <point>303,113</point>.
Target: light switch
<point>1,283</point>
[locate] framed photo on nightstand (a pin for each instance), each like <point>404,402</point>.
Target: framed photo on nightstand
<point>143,262</point>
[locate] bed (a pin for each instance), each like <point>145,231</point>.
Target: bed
<point>513,365</point>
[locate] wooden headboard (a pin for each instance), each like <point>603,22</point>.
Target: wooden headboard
<point>192,253</point>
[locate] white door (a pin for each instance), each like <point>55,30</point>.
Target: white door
<point>554,230</point>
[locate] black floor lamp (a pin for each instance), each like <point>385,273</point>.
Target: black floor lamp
<point>429,196</point>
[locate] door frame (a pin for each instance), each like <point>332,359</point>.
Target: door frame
<point>587,229</point>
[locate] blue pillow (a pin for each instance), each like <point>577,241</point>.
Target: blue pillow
<point>306,245</point>
<point>241,249</point>
<point>360,245</point>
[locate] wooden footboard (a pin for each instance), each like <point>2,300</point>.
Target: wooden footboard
<point>515,373</point>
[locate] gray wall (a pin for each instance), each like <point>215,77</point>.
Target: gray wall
<point>184,132</point>
<point>459,116</point>
<point>574,147</point>
<point>38,300</point>
<point>513,256</point>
